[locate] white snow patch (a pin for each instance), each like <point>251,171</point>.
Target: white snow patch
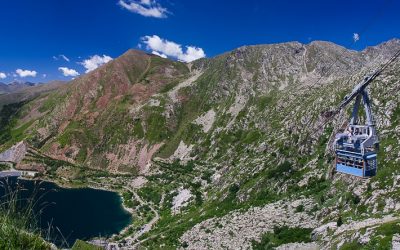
<point>181,200</point>
<point>206,120</point>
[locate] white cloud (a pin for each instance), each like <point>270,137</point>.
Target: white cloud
<point>356,37</point>
<point>26,73</point>
<point>94,62</point>
<point>172,49</point>
<point>3,75</point>
<point>148,8</point>
<point>44,75</point>
<point>158,54</point>
<point>68,72</point>
<point>192,53</point>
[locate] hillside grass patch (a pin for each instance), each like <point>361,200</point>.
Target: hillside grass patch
<point>282,235</point>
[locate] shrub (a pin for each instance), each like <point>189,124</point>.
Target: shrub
<point>185,244</point>
<point>356,199</point>
<point>339,221</point>
<point>282,235</point>
<point>151,194</point>
<point>234,189</point>
<point>279,170</point>
<point>300,208</point>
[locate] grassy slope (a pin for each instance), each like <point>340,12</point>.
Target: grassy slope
<point>284,120</point>
<point>18,229</point>
<point>13,237</point>
<point>81,245</point>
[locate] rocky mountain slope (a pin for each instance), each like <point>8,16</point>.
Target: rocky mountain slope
<point>230,150</point>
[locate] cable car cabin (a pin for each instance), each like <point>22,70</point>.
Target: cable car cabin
<point>355,151</point>
<point>356,148</point>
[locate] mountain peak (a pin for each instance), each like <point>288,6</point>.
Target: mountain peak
<point>134,52</point>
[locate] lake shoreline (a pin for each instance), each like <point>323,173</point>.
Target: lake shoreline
<point>87,185</point>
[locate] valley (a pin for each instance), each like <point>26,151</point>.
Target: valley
<point>228,152</point>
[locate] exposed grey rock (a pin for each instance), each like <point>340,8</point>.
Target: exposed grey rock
<point>206,120</point>
<point>299,246</point>
<point>396,242</point>
<point>237,229</point>
<point>15,154</point>
<point>181,200</point>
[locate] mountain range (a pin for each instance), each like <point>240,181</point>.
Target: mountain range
<point>14,86</point>
<point>224,150</point>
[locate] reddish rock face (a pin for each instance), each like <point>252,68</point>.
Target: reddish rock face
<point>81,125</point>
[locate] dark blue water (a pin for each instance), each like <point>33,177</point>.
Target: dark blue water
<point>72,214</point>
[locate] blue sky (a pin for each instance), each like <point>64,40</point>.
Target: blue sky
<point>37,37</point>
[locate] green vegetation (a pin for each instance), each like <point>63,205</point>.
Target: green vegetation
<point>82,245</point>
<point>127,198</point>
<point>71,131</point>
<point>18,228</point>
<point>156,130</point>
<point>8,123</point>
<point>240,137</point>
<point>279,171</point>
<point>169,86</point>
<point>354,245</point>
<point>300,208</point>
<point>4,166</point>
<point>265,102</point>
<point>282,235</point>
<point>138,129</point>
<point>51,164</point>
<point>156,69</point>
<point>339,221</point>
<point>151,193</point>
<point>51,101</point>
<point>383,236</point>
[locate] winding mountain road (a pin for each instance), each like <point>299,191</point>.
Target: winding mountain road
<point>131,241</point>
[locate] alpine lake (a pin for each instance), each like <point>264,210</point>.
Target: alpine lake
<point>68,214</point>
